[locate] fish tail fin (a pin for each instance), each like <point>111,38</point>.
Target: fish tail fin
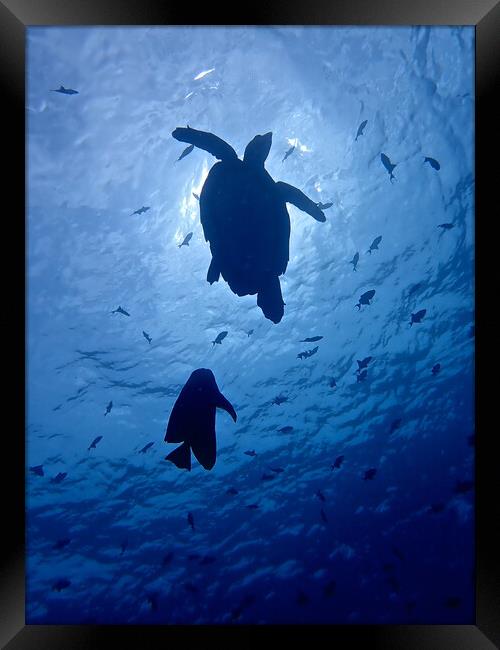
<point>270,299</point>
<point>213,273</point>
<point>181,457</point>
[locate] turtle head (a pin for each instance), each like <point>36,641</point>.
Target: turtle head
<point>257,149</point>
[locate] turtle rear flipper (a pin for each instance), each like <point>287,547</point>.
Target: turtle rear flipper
<point>213,274</point>
<point>206,141</point>
<point>270,300</point>
<point>296,197</point>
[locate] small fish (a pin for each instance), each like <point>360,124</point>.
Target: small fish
<point>324,206</point>
<point>453,602</point>
<point>289,153</point>
<point>187,239</point>
<point>332,383</point>
<point>94,443</point>
<point>188,586</point>
<point>253,506</point>
<point>146,336</point>
<point>354,261</point>
<point>320,495</point>
<point>37,469</point>
<point>186,152</point>
<point>60,477</point>
<point>141,210</point>
<point>307,353</point>
<point>196,196</point>
<point>287,429</point>
<point>302,598</point>
<point>417,318</point>
<point>388,165</point>
<point>61,584</point>
<point>365,298</point>
<point>329,589</point>
<point>208,559</point>
<point>338,462</point>
<point>146,447</point>
<point>167,559</point>
<point>120,311</point>
<point>432,162</point>
<point>280,399</point>
<point>190,519</point>
<point>250,452</point>
<point>109,407</point>
<point>436,508</point>
<point>64,91</point>
<point>277,470</point>
<point>250,332</point>
<point>374,244</point>
<point>446,226</point>
<point>220,337</point>
<point>361,129</point>
<point>56,408</point>
<point>123,546</point>
<point>362,376</point>
<point>61,543</point>
<point>232,491</point>
<point>395,425</point>
<point>312,339</point>
<point>363,363</point>
<point>370,474</point>
<point>462,487</point>
<point>436,369</point>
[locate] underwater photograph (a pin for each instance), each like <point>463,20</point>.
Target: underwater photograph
<point>250,325</point>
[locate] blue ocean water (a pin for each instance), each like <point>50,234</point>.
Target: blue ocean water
<point>110,541</point>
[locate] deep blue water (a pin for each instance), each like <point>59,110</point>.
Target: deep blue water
<point>96,157</point>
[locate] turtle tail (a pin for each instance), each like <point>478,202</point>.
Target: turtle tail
<point>270,300</point>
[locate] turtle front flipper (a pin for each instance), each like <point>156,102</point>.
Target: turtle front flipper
<point>213,274</point>
<point>296,197</point>
<point>206,141</point>
<point>270,300</point>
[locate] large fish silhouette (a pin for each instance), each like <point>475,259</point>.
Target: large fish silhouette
<point>192,420</point>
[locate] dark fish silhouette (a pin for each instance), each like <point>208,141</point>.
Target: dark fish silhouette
<point>365,298</point>
<point>354,261</point>
<point>37,469</point>
<point>361,129</point>
<point>436,369</point>
<point>361,376</point>
<point>167,559</point>
<point>288,153</point>
<point>220,338</point>
<point>302,598</point>
<point>370,474</point>
<point>287,429</point>
<point>60,477</point>
<point>196,196</point>
<point>332,383</point>
<point>146,447</point>
<point>146,336</point>
<point>320,495</point>
<point>232,491</point>
<point>250,452</point>
<point>462,487</point>
<point>253,506</point>
<point>388,165</point>
<point>338,462</point>
<point>141,210</point>
<point>446,226</point>
<point>64,91</point>
<point>436,508</point>
<point>280,399</point>
<point>432,162</point>
<point>192,420</point>
<point>61,543</point>
<point>363,363</point>
<point>61,584</point>
<point>417,318</point>
<point>329,589</point>
<point>187,239</point>
<point>277,470</point>
<point>109,407</point>
<point>250,332</point>
<point>267,477</point>
<point>374,244</point>
<point>190,519</point>
<point>395,425</point>
<point>94,443</point>
<point>312,339</point>
<point>123,546</point>
<point>324,206</point>
<point>307,353</point>
<point>186,152</point>
<point>56,408</point>
<point>120,311</point>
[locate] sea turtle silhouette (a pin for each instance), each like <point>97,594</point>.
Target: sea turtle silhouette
<point>244,217</point>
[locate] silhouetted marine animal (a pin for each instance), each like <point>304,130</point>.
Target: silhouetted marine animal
<point>144,208</point>
<point>61,584</point>
<point>286,430</point>
<point>360,129</point>
<point>196,196</point>
<point>146,336</point>
<point>395,425</point>
<point>320,495</point>
<point>324,206</point>
<point>220,337</point>
<point>61,543</point>
<point>370,474</point>
<point>186,240</point>
<point>388,165</point>
<point>120,310</point>
<point>363,363</point>
<point>436,369</point>
<point>280,399</point>
<point>374,244</point>
<point>186,152</point>
<point>94,443</point>
<point>354,261</point>
<point>244,217</point>
<point>60,477</point>
<point>192,420</point>
<point>365,298</point>
<point>146,447</point>
<point>307,353</point>
<point>288,153</point>
<point>37,469</point>
<point>109,407</point>
<point>417,318</point>
<point>312,339</point>
<point>446,226</point>
<point>250,452</point>
<point>250,332</point>
<point>190,519</point>
<point>361,376</point>
<point>332,383</point>
<point>432,162</point>
<point>64,91</point>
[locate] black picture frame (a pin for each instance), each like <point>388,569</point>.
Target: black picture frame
<point>15,16</point>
